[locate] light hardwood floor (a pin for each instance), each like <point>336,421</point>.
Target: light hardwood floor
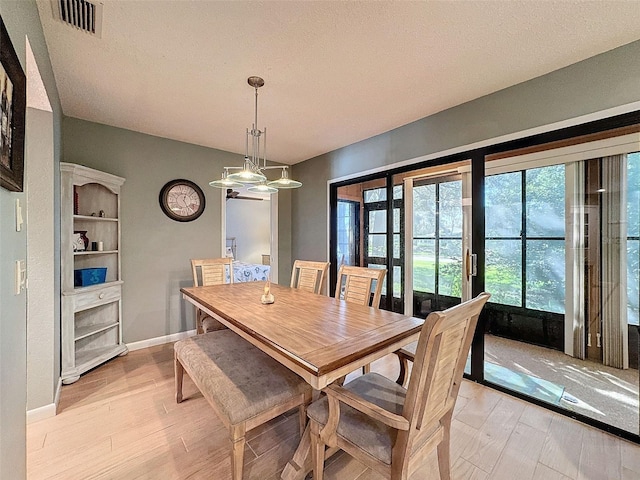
<point>120,421</point>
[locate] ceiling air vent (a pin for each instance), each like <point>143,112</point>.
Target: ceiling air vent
<point>81,14</point>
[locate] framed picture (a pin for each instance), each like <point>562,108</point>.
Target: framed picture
<point>12,111</point>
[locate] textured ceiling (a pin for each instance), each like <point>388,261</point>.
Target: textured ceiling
<point>335,72</point>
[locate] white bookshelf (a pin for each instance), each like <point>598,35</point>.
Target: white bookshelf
<point>91,315</point>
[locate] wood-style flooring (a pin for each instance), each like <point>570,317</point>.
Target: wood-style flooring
<point>120,421</point>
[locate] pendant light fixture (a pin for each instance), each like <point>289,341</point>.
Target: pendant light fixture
<point>251,174</point>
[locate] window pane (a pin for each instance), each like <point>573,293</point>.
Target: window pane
<point>545,275</point>
<point>396,245</point>
<point>503,205</point>
<point>633,230</point>
<point>397,192</point>
<point>451,209</point>
<point>377,221</point>
<point>424,211</point>
<point>450,272</point>
<point>377,246</point>
<point>375,195</point>
<point>396,220</point>
<point>346,232</point>
<point>384,282</point>
<point>545,201</point>
<point>633,194</point>
<point>397,279</point>
<point>503,271</point>
<point>424,267</point>
<point>633,281</point>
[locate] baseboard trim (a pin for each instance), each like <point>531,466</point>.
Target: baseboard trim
<point>45,411</point>
<point>152,342</point>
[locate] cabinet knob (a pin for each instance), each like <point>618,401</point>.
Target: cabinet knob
<point>101,296</point>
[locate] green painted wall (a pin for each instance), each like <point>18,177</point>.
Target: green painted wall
<point>156,251</point>
<point>605,81</point>
<point>22,22</point>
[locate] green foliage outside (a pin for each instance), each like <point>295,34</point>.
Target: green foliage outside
<point>450,275</point>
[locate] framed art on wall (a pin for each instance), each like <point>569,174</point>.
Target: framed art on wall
<point>12,115</point>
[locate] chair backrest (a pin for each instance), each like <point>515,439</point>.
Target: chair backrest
<point>213,271</point>
<point>309,276</point>
<point>440,358</point>
<point>357,285</point>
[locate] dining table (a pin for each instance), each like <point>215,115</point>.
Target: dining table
<point>320,338</point>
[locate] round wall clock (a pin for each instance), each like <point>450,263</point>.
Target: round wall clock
<point>182,200</point>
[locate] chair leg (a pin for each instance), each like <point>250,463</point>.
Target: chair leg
<point>302,418</point>
<point>199,329</point>
<point>238,441</point>
<point>444,457</point>
<point>179,374</point>
<point>317,451</point>
<point>404,369</point>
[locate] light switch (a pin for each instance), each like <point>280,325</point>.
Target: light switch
<point>19,220</point>
<point>20,276</point>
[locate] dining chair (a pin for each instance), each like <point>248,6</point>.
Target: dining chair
<point>245,387</point>
<point>210,271</point>
<point>309,276</point>
<point>392,429</point>
<point>354,285</point>
<point>405,355</point>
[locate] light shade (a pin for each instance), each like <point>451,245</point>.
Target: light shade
<point>225,182</point>
<point>284,181</point>
<point>262,188</point>
<point>248,174</point>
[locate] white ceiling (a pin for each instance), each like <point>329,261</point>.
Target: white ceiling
<point>335,72</point>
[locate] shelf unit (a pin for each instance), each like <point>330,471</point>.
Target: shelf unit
<point>91,315</point>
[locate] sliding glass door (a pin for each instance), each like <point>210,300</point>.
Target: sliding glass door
<point>525,254</point>
<point>562,256</point>
<point>437,241</point>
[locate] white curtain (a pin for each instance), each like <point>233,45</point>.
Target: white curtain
<point>615,332</point>
<point>574,332</point>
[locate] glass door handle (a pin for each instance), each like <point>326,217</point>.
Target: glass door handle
<point>470,264</point>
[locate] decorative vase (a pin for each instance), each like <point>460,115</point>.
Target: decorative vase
<point>83,240</point>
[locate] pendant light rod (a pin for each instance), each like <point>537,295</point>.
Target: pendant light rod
<point>255,123</point>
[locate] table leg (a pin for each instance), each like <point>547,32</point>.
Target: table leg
<point>300,464</point>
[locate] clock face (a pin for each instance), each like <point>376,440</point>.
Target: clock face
<point>182,200</point>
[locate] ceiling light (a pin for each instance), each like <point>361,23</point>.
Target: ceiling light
<point>262,188</point>
<point>225,182</point>
<point>252,172</point>
<point>284,181</point>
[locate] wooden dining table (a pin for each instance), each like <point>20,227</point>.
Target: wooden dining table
<point>321,339</point>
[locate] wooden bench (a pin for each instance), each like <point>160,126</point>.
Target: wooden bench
<point>219,363</point>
